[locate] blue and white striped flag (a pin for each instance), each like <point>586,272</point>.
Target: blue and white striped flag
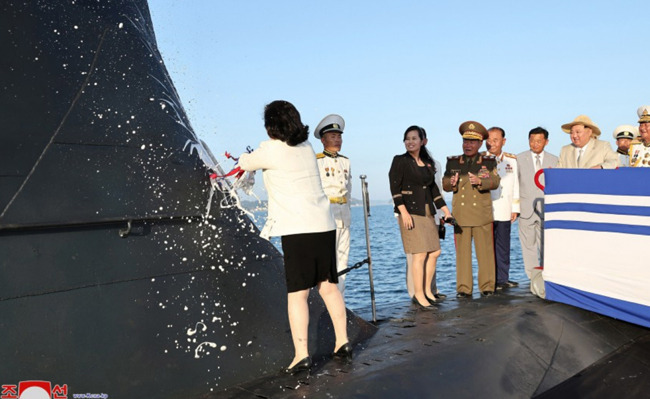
<point>597,241</point>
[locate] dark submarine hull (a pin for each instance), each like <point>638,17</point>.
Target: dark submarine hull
<point>113,276</point>
<point>95,140</point>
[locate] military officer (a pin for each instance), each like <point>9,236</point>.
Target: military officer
<point>470,177</point>
<point>640,152</point>
<point>624,135</point>
<point>335,177</point>
<point>505,204</point>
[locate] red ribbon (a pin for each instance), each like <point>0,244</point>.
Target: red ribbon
<point>237,172</point>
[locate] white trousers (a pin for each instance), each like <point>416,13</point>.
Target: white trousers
<point>342,254</point>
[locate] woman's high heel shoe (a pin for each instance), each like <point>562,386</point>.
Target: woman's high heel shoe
<point>421,307</point>
<point>304,364</point>
<point>344,352</point>
<point>432,301</point>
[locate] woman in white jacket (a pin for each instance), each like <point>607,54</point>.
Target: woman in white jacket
<point>299,213</point>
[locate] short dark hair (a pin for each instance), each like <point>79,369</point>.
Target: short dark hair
<point>282,122</point>
<point>503,132</point>
<point>539,130</point>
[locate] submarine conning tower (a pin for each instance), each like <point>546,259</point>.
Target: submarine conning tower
<point>113,275</point>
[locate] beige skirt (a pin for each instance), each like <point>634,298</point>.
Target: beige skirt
<point>423,237</point>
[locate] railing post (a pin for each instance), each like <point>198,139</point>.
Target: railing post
<point>366,214</point>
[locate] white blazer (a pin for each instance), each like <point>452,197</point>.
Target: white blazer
<point>505,199</point>
<point>297,203</point>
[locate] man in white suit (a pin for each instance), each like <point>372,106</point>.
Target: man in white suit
<point>640,151</point>
<point>336,179</point>
<point>505,204</point>
<point>530,225</point>
<point>585,150</point>
<point>624,136</point>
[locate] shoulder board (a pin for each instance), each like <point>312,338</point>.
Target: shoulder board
<point>343,156</point>
<point>509,155</point>
<point>635,141</point>
<point>454,157</point>
<point>320,155</point>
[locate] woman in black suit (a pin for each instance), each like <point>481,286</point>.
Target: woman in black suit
<point>414,194</point>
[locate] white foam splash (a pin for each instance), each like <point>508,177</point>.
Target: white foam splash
<point>198,348</point>
<point>192,331</point>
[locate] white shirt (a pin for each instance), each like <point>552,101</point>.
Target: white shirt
<point>584,151</point>
<point>297,203</point>
<point>541,158</point>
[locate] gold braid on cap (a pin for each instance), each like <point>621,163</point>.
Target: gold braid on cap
<point>644,117</point>
<point>472,135</point>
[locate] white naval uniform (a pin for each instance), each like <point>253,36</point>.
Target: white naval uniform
<point>623,159</point>
<point>336,180</point>
<point>505,199</point>
<point>639,155</point>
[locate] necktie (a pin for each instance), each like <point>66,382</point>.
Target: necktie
<point>538,164</point>
<point>579,156</point>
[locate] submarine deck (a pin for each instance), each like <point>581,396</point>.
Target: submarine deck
<point>509,345</point>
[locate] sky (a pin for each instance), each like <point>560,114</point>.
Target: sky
<point>386,65</point>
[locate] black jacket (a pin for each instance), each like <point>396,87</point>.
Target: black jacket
<point>408,187</point>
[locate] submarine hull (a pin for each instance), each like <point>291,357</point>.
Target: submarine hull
<point>123,270</point>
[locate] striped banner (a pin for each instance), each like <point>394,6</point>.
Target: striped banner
<point>597,241</point>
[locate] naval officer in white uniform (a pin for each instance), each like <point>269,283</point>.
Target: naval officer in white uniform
<point>640,152</point>
<point>505,204</point>
<point>624,136</point>
<point>335,177</point>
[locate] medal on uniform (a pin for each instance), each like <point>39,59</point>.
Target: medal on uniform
<point>327,172</point>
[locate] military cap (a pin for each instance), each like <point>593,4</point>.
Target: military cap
<point>473,130</point>
<point>330,123</point>
<point>581,120</point>
<point>625,132</point>
<point>644,113</point>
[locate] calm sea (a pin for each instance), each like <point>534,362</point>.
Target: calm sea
<point>389,261</point>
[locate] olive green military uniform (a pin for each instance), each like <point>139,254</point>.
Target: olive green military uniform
<point>472,209</point>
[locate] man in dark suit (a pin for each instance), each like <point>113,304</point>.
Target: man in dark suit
<point>470,177</point>
<point>530,225</point>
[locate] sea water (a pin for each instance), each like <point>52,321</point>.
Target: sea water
<point>389,260</point>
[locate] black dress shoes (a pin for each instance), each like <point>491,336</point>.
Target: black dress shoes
<point>303,365</point>
<point>344,353</point>
<point>507,284</point>
<point>487,293</point>
<point>463,295</point>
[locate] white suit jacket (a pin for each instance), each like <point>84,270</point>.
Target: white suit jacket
<point>297,203</point>
<point>598,153</point>
<point>528,191</point>
<point>505,198</point>
<point>336,179</point>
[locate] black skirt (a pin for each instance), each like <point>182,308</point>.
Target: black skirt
<point>309,258</point>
